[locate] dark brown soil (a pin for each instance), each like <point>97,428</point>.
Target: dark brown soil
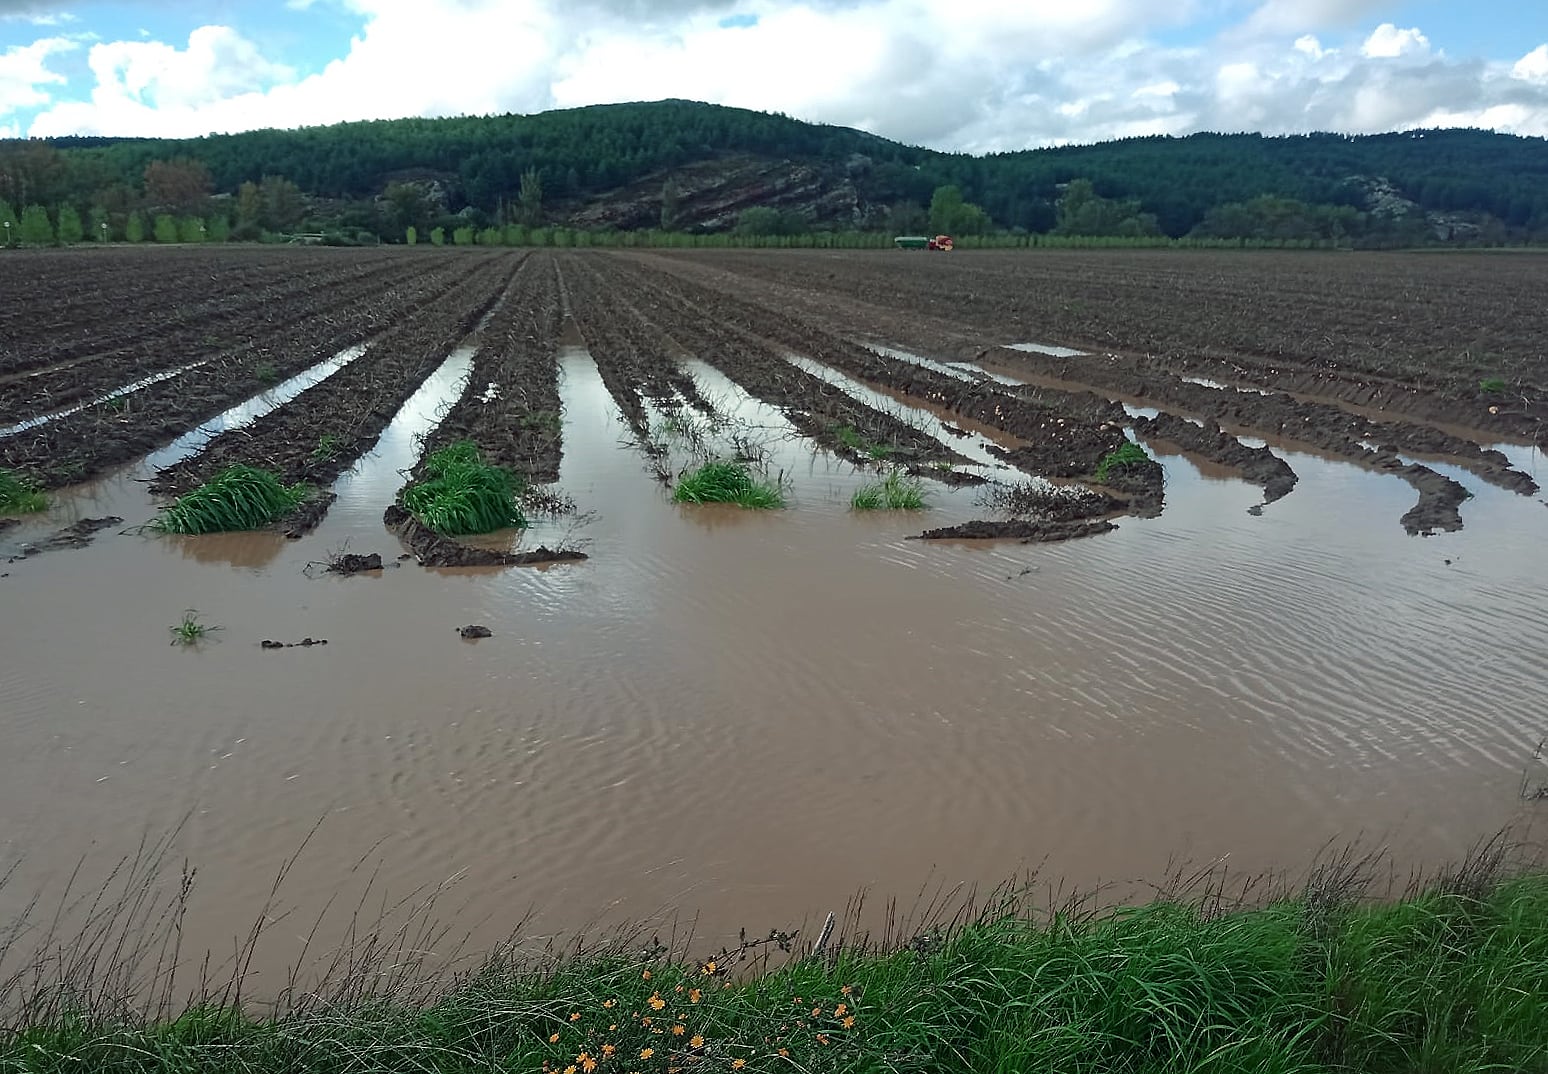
<point>352,406</point>
<point>76,535</point>
<point>511,408</point>
<point>433,550</point>
<point>861,295</point>
<point>353,563</point>
<point>1258,465</point>
<point>1019,530</point>
<point>79,446</point>
<point>699,325</point>
<point>1414,334</point>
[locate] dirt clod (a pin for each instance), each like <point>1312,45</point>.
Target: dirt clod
<point>351,563</point>
<point>1026,532</point>
<point>76,535</point>
<point>433,550</point>
<point>475,631</point>
<point>304,643</point>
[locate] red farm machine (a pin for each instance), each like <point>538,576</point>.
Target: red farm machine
<point>923,242</point>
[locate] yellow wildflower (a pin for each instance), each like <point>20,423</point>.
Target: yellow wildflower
<point>645,975</point>
<point>607,1050</point>
<point>696,1041</point>
<point>840,1010</point>
<point>846,990</point>
<point>709,968</point>
<point>656,1002</point>
<point>784,1053</point>
<point>554,1039</point>
<point>821,1039</point>
<point>816,1012</point>
<point>609,1003</point>
<point>646,1053</point>
<point>570,1069</point>
<point>679,1029</point>
<point>695,995</point>
<point>679,988</point>
<point>645,1021</point>
<point>589,1065</point>
<point>612,1028</point>
<point>849,1023</point>
<point>738,1064</point>
<point>575,1016</point>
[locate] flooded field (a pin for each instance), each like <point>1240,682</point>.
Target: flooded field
<point>741,716</point>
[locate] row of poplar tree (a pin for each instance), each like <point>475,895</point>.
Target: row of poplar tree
<point>35,226</point>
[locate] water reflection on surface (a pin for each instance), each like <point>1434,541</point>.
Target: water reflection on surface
<point>752,715</point>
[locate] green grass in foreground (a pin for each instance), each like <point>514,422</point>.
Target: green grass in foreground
<point>1445,982</point>
<point>462,494</point>
<point>18,496</point>
<point>238,498</point>
<point>728,482</point>
<point>895,492</point>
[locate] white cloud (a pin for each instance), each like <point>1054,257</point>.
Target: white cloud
<point>24,69</point>
<point>1388,42</point>
<point>1533,67</point>
<point>958,74</point>
<point>1309,45</point>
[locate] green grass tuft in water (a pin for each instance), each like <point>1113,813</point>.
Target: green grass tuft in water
<point>728,482</point>
<point>240,497</point>
<point>895,492</point>
<point>462,494</point>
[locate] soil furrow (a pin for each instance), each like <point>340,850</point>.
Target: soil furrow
<point>319,434</point>
<point>511,408</point>
<point>817,409</point>
<point>87,443</point>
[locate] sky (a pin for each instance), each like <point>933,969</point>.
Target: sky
<point>972,75</point>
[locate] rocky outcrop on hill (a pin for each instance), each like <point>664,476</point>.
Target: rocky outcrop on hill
<point>712,194</point>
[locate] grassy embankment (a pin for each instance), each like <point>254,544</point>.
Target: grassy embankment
<point>1452,978</point>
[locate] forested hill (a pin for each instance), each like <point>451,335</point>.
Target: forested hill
<point>690,166</point>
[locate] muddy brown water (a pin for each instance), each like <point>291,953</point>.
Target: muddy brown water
<point>748,717</point>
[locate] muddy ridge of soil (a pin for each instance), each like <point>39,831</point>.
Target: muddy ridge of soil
<point>1024,530</point>
<point>77,534</point>
<point>814,407</point>
<point>82,445</point>
<point>228,317</point>
<point>433,550</point>
<point>1276,413</point>
<point>308,516</point>
<point>1413,334</point>
<point>1258,465</point>
<point>511,408</point>
<point>1066,433</point>
<point>1439,496</point>
<point>353,405</point>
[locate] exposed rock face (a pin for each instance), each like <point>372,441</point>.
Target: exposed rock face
<point>712,194</point>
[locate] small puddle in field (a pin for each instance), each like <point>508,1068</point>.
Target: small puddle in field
<point>961,370</point>
<point>1046,348</point>
<point>250,411</point>
<point>975,445</point>
<point>1205,382</point>
<point>373,482</point>
<point>117,393</point>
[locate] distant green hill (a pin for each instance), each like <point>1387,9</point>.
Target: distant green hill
<point>609,165</point>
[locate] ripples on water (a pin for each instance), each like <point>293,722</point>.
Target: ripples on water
<point>753,715</point>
